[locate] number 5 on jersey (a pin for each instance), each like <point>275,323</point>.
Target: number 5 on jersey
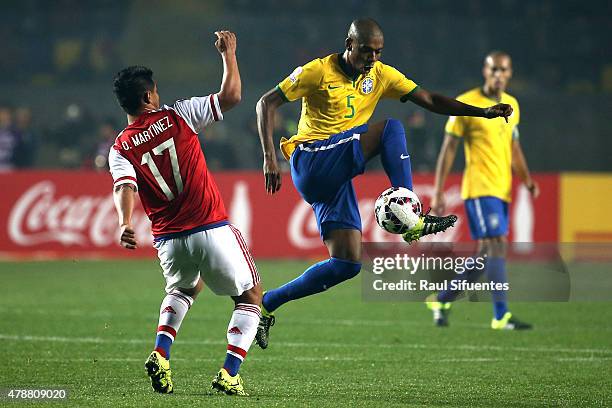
<point>158,151</point>
<point>349,104</point>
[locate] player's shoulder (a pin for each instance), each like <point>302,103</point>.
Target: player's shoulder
<point>507,98</point>
<point>322,66</point>
<point>382,69</point>
<point>119,136</point>
<point>330,59</point>
<point>470,95</point>
<point>309,73</point>
<point>144,121</point>
<point>318,63</point>
<point>310,68</point>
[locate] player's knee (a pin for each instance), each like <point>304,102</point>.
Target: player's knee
<point>494,246</point>
<point>346,269</point>
<point>192,292</point>
<point>251,296</point>
<point>393,127</point>
<point>255,294</point>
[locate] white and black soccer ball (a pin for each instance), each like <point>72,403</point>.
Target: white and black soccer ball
<point>397,210</point>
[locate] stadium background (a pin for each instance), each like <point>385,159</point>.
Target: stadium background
<point>59,59</point>
<point>58,117</point>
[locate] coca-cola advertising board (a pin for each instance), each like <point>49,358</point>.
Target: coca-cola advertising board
<point>57,214</point>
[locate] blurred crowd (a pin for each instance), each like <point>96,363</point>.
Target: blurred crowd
<point>67,145</point>
<point>18,141</point>
<point>57,60</point>
<point>82,141</point>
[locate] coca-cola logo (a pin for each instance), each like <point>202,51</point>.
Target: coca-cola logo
<point>39,217</point>
<point>303,233</point>
<point>53,213</point>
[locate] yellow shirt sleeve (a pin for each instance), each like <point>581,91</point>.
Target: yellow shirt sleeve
<point>303,81</point>
<point>517,112</point>
<point>396,84</point>
<point>516,116</point>
<point>455,125</point>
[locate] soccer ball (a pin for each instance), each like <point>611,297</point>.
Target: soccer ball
<point>397,210</point>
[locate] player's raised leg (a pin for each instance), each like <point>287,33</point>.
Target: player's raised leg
<point>388,139</point>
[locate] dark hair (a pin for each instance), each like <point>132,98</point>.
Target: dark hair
<point>130,85</point>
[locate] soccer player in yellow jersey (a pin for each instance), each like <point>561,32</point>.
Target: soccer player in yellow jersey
<point>334,141</point>
<point>492,150</point>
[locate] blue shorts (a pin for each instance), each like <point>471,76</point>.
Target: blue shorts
<point>487,216</point>
<point>322,172</point>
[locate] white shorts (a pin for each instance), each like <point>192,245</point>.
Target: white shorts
<point>219,256</point>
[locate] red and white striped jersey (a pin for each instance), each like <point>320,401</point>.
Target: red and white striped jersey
<point>161,155</point>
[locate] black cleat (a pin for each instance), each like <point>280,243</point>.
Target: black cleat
<point>440,310</point>
<point>429,224</point>
<point>509,322</point>
<point>263,329</point>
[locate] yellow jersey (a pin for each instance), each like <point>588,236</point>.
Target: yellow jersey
<point>488,147</point>
<point>332,102</point>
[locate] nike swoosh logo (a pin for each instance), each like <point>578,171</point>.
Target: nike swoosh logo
<point>404,156</point>
<point>334,87</point>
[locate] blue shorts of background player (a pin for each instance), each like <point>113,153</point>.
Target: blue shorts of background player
<point>487,217</point>
<point>488,220</point>
<point>322,173</point>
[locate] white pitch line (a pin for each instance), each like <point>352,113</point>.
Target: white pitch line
<point>99,340</point>
<point>294,322</point>
<point>584,359</point>
<point>321,359</point>
<point>470,360</point>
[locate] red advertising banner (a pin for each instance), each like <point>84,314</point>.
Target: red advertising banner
<point>47,214</point>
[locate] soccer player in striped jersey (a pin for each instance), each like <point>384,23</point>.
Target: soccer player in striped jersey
<point>334,141</point>
<point>159,156</point>
<point>492,150</point>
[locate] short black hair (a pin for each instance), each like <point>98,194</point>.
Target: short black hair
<point>130,85</point>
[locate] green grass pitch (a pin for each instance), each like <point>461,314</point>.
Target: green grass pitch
<point>88,326</point>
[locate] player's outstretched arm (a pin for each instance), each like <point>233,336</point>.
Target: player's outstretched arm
<point>266,108</point>
<point>446,157</point>
<point>519,164</point>
<point>124,196</point>
<point>231,86</point>
<point>444,105</point>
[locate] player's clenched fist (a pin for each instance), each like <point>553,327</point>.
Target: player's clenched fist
<point>128,237</point>
<point>500,110</point>
<point>226,41</point>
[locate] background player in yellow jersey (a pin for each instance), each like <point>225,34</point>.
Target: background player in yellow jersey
<point>492,150</point>
<point>334,141</point>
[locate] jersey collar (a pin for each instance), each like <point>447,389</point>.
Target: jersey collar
<point>484,95</point>
<point>346,69</point>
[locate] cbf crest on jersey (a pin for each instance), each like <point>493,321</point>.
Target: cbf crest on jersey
<point>367,85</point>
